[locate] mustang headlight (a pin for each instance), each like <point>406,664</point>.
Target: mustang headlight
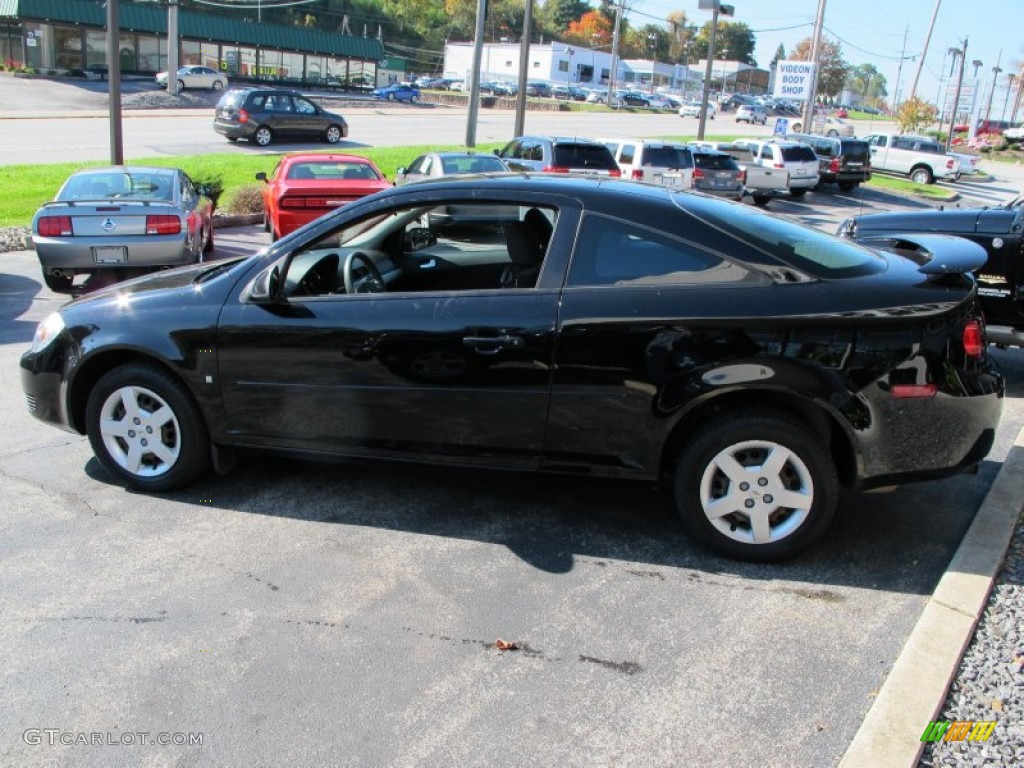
<point>47,331</point>
<point>847,228</point>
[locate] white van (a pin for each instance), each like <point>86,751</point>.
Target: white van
<point>657,162</point>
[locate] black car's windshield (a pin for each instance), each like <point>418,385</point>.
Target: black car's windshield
<point>809,250</point>
<point>220,268</point>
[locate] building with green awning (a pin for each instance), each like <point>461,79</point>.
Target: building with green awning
<point>70,36</point>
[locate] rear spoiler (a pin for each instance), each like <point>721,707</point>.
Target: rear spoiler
<point>933,254</point>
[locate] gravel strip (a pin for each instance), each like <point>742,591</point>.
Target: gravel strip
<point>990,681</point>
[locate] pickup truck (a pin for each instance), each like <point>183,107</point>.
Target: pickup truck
<point>922,159</point>
<point>762,184</point>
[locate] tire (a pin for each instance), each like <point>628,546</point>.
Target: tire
<point>797,127</point>
<point>166,416</point>
<point>391,97</point>
<point>266,222</point>
<point>232,139</point>
<point>848,186</point>
<point>263,136</point>
<point>921,175</point>
<point>218,85</point>
<point>208,245</point>
<point>181,86</point>
<point>832,133</point>
<point>761,200</point>
<point>414,99</point>
<point>333,134</point>
<point>58,284</point>
<point>749,442</point>
<point>798,192</point>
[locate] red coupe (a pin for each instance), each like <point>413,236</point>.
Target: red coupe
<point>304,187</point>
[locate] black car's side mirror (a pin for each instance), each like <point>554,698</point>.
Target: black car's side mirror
<point>263,289</point>
<point>261,176</point>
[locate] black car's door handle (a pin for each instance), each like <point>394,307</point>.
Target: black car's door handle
<point>491,345</point>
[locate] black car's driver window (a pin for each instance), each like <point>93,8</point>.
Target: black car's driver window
<point>468,246</point>
<point>612,252</point>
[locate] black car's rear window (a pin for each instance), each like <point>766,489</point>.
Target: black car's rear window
<point>801,153</point>
<point>716,162</point>
<point>815,253</point>
<point>668,157</point>
<point>583,156</point>
<point>856,150</point>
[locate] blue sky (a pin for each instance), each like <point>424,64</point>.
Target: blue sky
<point>873,30</point>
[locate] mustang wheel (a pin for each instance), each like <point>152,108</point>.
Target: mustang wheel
<point>145,428</point>
<point>756,487</point>
<point>263,136</point>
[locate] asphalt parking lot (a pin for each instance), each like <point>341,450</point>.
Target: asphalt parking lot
<point>292,613</point>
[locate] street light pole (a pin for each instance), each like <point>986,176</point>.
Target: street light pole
<point>716,7</point>
<point>995,76</point>
<point>962,53</point>
<point>1009,87</point>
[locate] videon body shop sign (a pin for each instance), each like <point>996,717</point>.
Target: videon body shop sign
<point>793,80</point>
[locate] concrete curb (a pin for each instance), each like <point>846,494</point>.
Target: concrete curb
<point>915,690</point>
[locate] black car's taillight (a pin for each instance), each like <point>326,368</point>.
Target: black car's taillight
<point>974,338</point>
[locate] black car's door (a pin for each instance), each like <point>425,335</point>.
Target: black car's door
<point>437,375</point>
<point>308,122</point>
<point>1000,231</point>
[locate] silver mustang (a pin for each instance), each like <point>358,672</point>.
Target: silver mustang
<point>123,218</point>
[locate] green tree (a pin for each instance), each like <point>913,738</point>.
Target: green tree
<point>683,36</point>
<point>646,42</point>
<point>556,15</point>
<point>866,81</point>
<point>735,37</point>
<point>915,115</point>
<point>832,68</point>
<point>780,53</point>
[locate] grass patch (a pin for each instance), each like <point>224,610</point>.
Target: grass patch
<point>23,188</point>
<point>903,185</point>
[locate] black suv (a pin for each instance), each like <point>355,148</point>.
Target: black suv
<point>262,115</point>
<point>842,160</point>
<point>550,154</point>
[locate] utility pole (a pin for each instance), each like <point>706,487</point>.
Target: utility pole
<point>172,47</point>
<point>114,82</point>
<point>808,125</point>
<point>716,7</point>
<point>962,52</point>
<point>615,53</point>
<point>524,70</point>
<point>1016,99</point>
<point>899,72</point>
<point>924,53</point>
<point>474,81</point>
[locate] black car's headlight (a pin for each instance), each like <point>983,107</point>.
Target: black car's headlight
<point>847,228</point>
<point>47,331</point>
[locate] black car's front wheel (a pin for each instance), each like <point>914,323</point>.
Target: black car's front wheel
<point>756,487</point>
<point>333,134</point>
<point>145,429</point>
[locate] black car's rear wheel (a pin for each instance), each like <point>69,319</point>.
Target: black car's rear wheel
<point>263,136</point>
<point>848,186</point>
<point>756,487</point>
<point>333,134</point>
<point>145,429</point>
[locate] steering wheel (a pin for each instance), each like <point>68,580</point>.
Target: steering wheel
<point>372,283</point>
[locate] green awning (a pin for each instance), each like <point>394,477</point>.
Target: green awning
<point>196,26</point>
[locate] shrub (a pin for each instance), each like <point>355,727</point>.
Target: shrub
<point>987,142</point>
<point>247,198</point>
<point>914,115</point>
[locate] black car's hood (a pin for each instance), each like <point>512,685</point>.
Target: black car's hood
<point>170,281</point>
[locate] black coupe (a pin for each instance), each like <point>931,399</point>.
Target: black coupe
<point>610,328</point>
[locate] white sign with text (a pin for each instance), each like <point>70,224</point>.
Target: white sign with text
<point>793,80</point>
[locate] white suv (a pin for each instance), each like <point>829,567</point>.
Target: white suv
<point>793,156</point>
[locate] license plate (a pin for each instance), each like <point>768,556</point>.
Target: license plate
<point>114,254</point>
<point>854,165</point>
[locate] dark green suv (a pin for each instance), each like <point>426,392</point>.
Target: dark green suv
<point>263,115</point>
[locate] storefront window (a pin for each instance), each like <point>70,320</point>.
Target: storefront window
<point>316,68</point>
<point>209,56</point>
<point>68,46</point>
<point>270,65</point>
<point>152,54</point>
<point>291,66</point>
<point>241,62</point>
<point>189,53</point>
<point>95,49</point>
<point>127,46</point>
